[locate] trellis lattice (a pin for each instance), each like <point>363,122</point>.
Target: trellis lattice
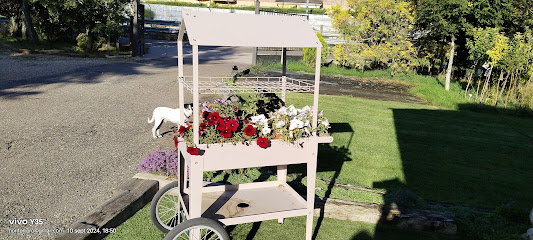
<point>229,85</point>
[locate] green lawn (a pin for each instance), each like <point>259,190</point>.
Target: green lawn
<point>141,227</point>
<point>454,156</point>
<point>412,151</point>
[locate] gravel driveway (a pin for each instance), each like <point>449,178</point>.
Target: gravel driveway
<point>73,129</point>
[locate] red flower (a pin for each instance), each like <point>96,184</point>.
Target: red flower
<point>262,142</point>
<point>226,133</point>
<point>235,108</point>
<point>176,141</point>
<point>205,114</point>
<point>203,125</point>
<point>249,130</point>
<point>192,150</point>
<point>232,124</point>
<point>213,116</point>
<point>182,130</point>
<point>221,125</point>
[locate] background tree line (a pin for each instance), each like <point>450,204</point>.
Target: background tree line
<point>487,44</point>
<point>59,20</point>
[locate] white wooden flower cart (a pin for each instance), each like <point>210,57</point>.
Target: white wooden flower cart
<point>188,199</point>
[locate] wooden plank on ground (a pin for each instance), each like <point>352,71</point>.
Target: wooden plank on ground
<point>128,199</point>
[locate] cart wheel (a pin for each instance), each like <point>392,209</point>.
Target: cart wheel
<point>166,211</point>
<point>207,228</point>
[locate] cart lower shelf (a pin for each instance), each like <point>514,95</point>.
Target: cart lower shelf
<point>251,202</point>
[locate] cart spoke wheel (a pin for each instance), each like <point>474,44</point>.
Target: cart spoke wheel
<point>166,211</point>
<point>198,229</point>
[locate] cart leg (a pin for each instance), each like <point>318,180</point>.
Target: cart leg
<point>311,181</point>
<point>182,172</point>
<point>195,188</point>
<point>282,177</point>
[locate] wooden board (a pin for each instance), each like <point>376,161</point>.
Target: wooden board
<point>229,156</point>
<point>251,202</point>
<point>129,198</point>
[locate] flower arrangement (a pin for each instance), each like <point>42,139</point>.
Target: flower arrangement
<point>162,162</point>
<point>260,121</point>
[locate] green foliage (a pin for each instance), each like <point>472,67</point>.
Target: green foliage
<point>376,33</point>
<point>310,53</point>
<point>512,56</point>
<point>149,14</point>
<point>253,173</point>
<point>480,41</point>
<point>497,52</point>
<point>526,96</point>
<point>488,225</point>
<point>97,18</point>
<point>83,40</point>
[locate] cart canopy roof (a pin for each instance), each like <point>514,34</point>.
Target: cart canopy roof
<point>249,30</point>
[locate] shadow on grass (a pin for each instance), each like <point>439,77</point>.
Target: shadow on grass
<point>460,157</point>
<point>463,157</point>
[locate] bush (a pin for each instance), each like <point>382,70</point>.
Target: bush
<point>149,14</point>
<point>83,40</point>
<point>310,53</point>
<point>526,96</point>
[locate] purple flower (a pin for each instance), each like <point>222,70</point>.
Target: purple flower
<point>220,101</point>
<point>162,162</point>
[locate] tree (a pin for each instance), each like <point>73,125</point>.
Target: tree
<point>19,12</point>
<point>376,33</point>
<point>480,41</point>
<point>443,21</point>
<point>28,21</point>
<point>96,18</point>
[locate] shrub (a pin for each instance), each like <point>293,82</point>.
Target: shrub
<point>310,53</point>
<point>149,14</point>
<point>526,96</point>
<point>83,40</point>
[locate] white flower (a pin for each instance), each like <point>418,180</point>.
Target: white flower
<point>282,110</point>
<point>266,130</point>
<point>280,124</point>
<point>307,109</point>
<point>292,111</point>
<point>296,123</point>
<point>307,131</point>
<point>260,120</point>
<point>306,124</point>
<point>325,123</point>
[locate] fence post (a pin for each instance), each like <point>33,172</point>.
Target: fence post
<point>254,51</point>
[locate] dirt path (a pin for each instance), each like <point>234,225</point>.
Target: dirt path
<point>357,87</point>
<point>73,129</point>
